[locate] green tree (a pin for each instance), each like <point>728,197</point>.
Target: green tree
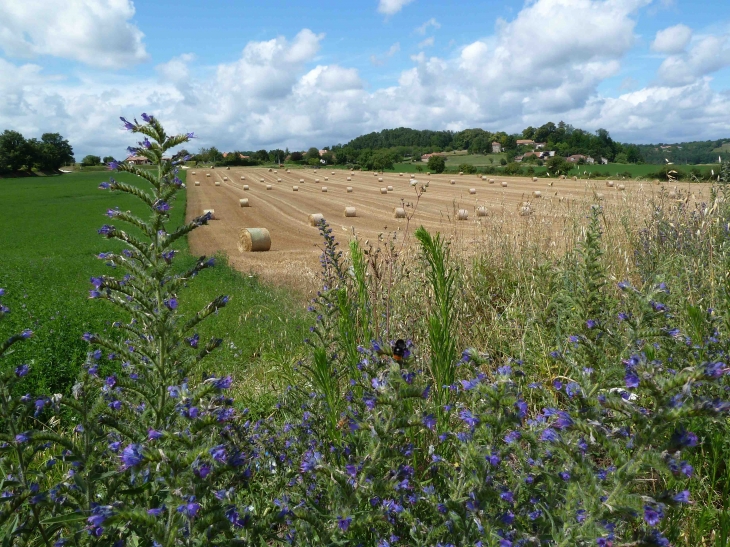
<point>108,159</point>
<point>15,151</point>
<point>436,164</point>
<point>296,156</point>
<point>53,152</point>
<point>91,160</point>
<point>313,154</point>
<point>558,166</point>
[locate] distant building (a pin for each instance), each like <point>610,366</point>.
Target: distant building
<point>496,148</point>
<point>590,160</point>
<point>525,142</point>
<point>137,160</point>
<point>575,158</point>
<point>425,157</point>
<point>540,145</point>
<point>604,161</point>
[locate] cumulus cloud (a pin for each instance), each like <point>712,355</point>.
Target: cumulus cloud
<point>389,7</point>
<point>425,26</point>
<point>706,56</point>
<point>95,32</point>
<point>279,93</point>
<point>672,40</point>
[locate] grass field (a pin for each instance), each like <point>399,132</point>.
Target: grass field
<point>48,243</point>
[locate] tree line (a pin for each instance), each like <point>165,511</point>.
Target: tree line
<point>49,153</point>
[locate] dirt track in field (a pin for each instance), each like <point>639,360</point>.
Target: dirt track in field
<point>295,249</point>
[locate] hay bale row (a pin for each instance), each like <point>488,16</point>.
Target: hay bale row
<point>217,183</point>
<point>481,211</point>
<point>399,212</point>
<point>197,183</point>
<point>315,219</point>
<point>349,189</point>
<point>472,191</point>
<point>350,212</point>
<point>243,202</point>
<point>462,214</point>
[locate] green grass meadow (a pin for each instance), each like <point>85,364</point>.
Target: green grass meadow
<point>48,248</point>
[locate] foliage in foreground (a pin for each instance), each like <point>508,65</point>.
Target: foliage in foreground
<point>382,443</point>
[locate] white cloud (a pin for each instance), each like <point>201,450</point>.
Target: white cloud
<point>672,40</point>
<point>428,42</point>
<point>94,32</point>
<point>706,56</point>
<point>279,94</point>
<point>425,26</point>
<point>389,7</point>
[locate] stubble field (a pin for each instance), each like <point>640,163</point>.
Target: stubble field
<point>294,256</point>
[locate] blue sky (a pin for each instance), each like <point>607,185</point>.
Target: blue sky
<point>249,75</point>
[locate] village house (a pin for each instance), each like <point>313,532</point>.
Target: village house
<point>604,161</point>
<point>496,148</point>
<point>575,158</point>
<point>540,145</point>
<point>525,142</point>
<point>425,157</point>
<point>137,160</point>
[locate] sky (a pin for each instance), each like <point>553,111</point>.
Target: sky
<point>246,75</point>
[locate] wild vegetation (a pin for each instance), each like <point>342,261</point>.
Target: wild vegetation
<point>521,395</point>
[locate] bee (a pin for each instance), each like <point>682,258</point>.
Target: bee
<point>400,351</point>
<point>342,423</point>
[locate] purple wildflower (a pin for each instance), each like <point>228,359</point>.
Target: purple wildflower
<point>22,370</point>
<point>189,509</point>
<point>344,523</point>
<point>131,455</point>
<point>468,418</point>
<point>429,420</point>
<point>631,379</point>
<point>653,514</point>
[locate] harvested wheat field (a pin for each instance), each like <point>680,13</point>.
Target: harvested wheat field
<point>542,212</point>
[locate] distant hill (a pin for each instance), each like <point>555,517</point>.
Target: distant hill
<point>563,138</point>
<point>691,153</point>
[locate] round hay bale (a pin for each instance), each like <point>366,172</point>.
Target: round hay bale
<point>481,211</point>
<point>461,173</point>
<point>295,188</point>
<point>197,183</point>
<point>621,187</point>
<point>254,240</point>
<point>349,179</point>
<point>452,181</point>
<point>575,178</point>
<point>324,188</point>
<point>270,169</point>
<point>212,213</point>
<point>534,179</point>
<point>390,188</point>
<point>472,191</point>
<point>207,174</point>
<point>462,214</point>
<point>243,178</point>
<point>399,212</point>
<point>380,179</point>
<point>525,210</point>
<point>414,182</point>
<point>245,186</point>
<point>599,196</point>
<point>537,193</point>
<point>400,174</point>
<point>261,180</point>
<point>315,219</point>
<point>491,181</point>
<point>301,181</point>
<point>428,173</point>
<point>333,172</point>
<point>217,183</point>
<point>383,190</point>
<point>288,170</point>
<point>562,177</point>
<point>484,177</point>
<point>228,168</point>
<point>609,183</point>
<point>225,178</point>
<point>350,212</point>
<point>349,189</point>
<point>192,172</point>
<point>413,176</point>
<point>243,202</point>
<point>275,171</point>
<point>326,179</point>
<point>504,184</point>
<point>316,180</point>
<point>278,180</point>
<point>268,186</point>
